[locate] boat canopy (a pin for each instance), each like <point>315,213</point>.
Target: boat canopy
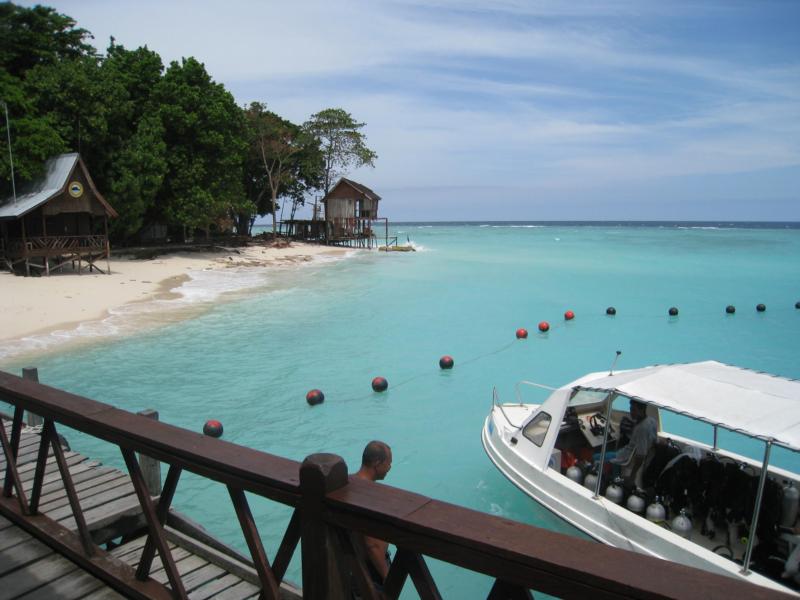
<point>757,404</point>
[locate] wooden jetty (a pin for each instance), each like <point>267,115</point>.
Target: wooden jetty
<point>57,500</point>
<point>31,569</point>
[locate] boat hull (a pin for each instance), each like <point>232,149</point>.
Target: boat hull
<point>598,517</point>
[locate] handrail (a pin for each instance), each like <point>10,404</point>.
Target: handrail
<point>334,510</point>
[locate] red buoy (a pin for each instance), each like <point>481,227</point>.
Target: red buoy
<point>446,362</point>
<point>379,384</point>
<point>315,397</point>
<point>569,315</point>
<point>522,333</point>
<point>213,428</point>
<point>544,326</point>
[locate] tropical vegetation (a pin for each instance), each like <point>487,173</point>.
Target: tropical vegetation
<point>165,145</point>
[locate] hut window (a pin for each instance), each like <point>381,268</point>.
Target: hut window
<point>536,430</point>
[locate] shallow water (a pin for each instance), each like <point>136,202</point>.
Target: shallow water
<point>250,362</point>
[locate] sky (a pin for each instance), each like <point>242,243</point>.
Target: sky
<point>517,109</point>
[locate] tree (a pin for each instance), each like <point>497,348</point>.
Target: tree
<point>33,139</point>
<point>38,36</point>
<point>343,145</point>
<point>136,176</point>
<point>283,160</point>
<point>204,137</point>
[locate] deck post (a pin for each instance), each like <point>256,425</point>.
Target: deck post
<point>320,474</point>
<point>32,374</point>
<point>151,468</point>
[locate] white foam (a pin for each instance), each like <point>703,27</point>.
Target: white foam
<point>203,288</point>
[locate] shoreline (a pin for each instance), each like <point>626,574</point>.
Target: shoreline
<point>42,314</point>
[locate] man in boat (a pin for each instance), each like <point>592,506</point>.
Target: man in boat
<point>642,439</point>
<point>376,461</point>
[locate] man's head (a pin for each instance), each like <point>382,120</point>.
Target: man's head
<point>638,410</point>
<point>377,458</point>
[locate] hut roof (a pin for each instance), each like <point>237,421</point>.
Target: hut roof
<point>57,172</point>
<point>358,187</point>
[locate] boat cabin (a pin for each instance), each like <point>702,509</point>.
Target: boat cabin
<point>57,220</point>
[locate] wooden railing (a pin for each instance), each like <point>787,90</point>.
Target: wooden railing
<point>55,244</point>
<point>332,513</point>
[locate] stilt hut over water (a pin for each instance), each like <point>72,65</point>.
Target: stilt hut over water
<point>57,220</point>
<point>350,210</point>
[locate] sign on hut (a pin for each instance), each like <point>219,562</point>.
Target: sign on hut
<point>57,220</point>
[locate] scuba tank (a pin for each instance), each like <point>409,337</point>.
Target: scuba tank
<point>590,482</point>
<point>614,492</point>
<point>575,474</point>
<point>656,512</point>
<point>636,502</point>
<point>789,505</point>
<point>682,525</point>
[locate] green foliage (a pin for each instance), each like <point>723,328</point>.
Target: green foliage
<point>343,145</point>
<point>162,145</point>
<point>204,137</point>
<point>137,175</point>
<point>34,139</point>
<point>282,160</point>
<point>37,36</point>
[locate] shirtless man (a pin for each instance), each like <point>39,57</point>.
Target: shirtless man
<point>375,464</point>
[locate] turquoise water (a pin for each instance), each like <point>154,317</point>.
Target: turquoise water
<point>250,362</point>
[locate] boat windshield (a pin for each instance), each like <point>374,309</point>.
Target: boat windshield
<point>587,397</point>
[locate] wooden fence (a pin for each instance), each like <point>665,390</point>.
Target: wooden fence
<point>332,512</point>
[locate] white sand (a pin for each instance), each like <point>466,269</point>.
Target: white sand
<point>34,305</point>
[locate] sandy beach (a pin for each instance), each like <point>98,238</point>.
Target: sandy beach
<point>37,305</point>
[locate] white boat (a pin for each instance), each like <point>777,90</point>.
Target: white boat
<point>546,449</point>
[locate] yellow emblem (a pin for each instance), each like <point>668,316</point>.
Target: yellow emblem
<point>75,189</point>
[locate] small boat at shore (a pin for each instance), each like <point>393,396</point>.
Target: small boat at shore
<point>678,499</point>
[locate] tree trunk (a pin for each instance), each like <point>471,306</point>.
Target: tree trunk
<point>274,217</point>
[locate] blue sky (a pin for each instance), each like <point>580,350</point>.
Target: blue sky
<point>518,110</point>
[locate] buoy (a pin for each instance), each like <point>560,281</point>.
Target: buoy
<point>379,384</point>
<point>522,333</point>
<point>673,312</point>
<point>611,311</point>
<point>213,428</point>
<point>544,326</point>
<point>446,362</point>
<point>761,307</point>
<point>730,309</point>
<point>569,315</point>
<point>315,397</point>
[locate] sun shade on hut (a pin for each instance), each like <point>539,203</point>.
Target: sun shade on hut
<point>56,220</point>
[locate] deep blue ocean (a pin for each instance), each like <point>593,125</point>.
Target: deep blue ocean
<point>248,357</point>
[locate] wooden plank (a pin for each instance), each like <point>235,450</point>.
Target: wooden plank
<point>12,537</point>
<point>240,591</point>
<point>104,594</point>
<point>201,576</point>
<point>72,586</point>
<point>35,575</point>
<point>86,489</point>
<point>22,554</point>
<point>102,564</point>
<point>92,501</point>
<point>215,587</point>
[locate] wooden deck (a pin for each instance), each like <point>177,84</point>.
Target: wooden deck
<point>30,569</point>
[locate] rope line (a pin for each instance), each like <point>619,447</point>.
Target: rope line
<point>542,337</point>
